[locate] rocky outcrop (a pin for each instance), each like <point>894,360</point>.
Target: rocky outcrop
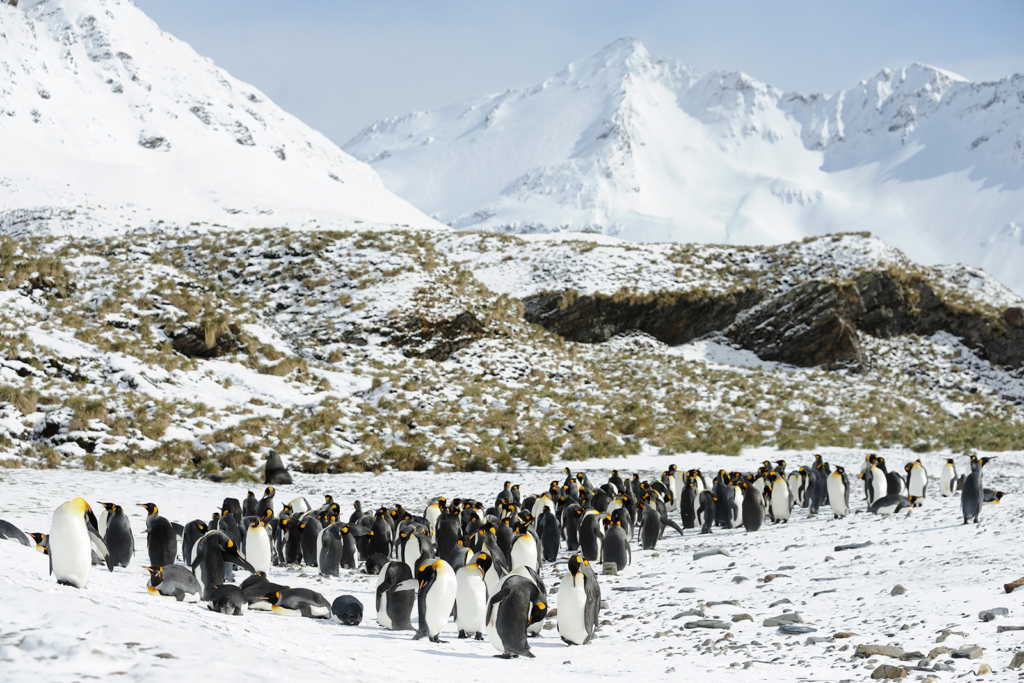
<point>193,342</point>
<point>437,340</point>
<point>670,317</point>
<point>815,324</point>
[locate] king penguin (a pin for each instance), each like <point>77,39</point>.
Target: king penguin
<point>510,612</point>
<point>971,496</point>
<point>257,546</point>
<point>72,538</point>
<point>947,478</point>
<point>438,588</point>
<point>471,598</point>
<point>579,603</point>
<point>917,480</point>
<point>161,539</point>
<point>839,492</point>
<point>394,604</point>
<point>119,539</point>
<point>753,508</point>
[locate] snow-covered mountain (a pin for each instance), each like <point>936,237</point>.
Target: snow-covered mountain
<point>648,149</point>
<point>107,122</point>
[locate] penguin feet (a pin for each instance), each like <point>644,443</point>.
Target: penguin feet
<point>507,655</point>
<point>478,636</point>
<point>463,635</point>
<point>437,639</point>
<point>62,582</point>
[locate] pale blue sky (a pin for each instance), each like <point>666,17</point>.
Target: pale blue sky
<point>341,65</point>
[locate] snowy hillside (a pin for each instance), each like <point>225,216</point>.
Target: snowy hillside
<point>648,149</point>
<point>108,123</point>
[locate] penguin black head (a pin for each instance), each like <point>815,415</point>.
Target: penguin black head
<point>269,491</point>
<point>250,494</point>
<point>907,467</point>
<point>484,561</point>
<point>256,524</point>
<point>672,468</point>
<point>150,507</point>
<point>985,461</point>
<point>42,542</point>
<point>425,572</point>
<point>328,498</point>
<point>286,509</point>
<point>839,469</point>
<point>539,611</point>
<point>576,564</point>
<point>156,576</point>
<point>950,461</point>
<point>567,471</point>
<point>268,513</point>
<point>109,507</point>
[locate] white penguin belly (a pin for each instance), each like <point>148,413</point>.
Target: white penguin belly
<point>572,602</point>
<point>70,548</point>
<point>837,495</point>
<point>879,484</point>
<point>439,601</point>
<point>780,502</point>
<point>946,480</point>
<point>257,549</point>
<point>382,612</point>
<point>524,553</point>
<point>471,601</point>
<point>492,630</point>
<point>918,482</point>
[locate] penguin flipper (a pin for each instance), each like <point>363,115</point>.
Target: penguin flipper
<point>101,548</point>
<point>668,522</point>
<point>408,585</point>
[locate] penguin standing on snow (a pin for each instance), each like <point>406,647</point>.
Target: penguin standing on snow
<point>917,479</point>
<point>438,588</point>
<point>212,553</point>
<point>266,502</point>
<point>839,493</point>
<point>471,598</point>
<point>972,494</point>
<point>119,538</point>
<point>71,540</point>
<point>782,503</point>
<point>706,511</point>
<point>249,504</point>
<point>947,478</point>
<point>753,508</point>
<point>650,530</point>
<point>161,539</point>
<point>193,531</point>
<point>394,604</point>
<point>510,612</point>
<point>591,536</point>
<point>616,544</point>
<point>257,546</point>
<point>579,603</point>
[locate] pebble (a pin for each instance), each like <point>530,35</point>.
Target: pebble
<point>946,633</point>
<point>689,613</point>
<point>787,618</point>
<point>739,579</point>
<point>701,554</point>
<point>604,604</point>
<point>688,590</point>
<point>968,652</point>
<point>1004,629</point>
<point>814,640</point>
<point>737,618</point>
<point>796,630</point>
<point>942,666</point>
<point>897,590</point>
<point>984,669</point>
<point>880,650</point>
<point>843,634</point>
<point>886,671</point>
<point>991,614</point>
<point>1018,660</point>
<point>707,623</point>
<point>783,601</point>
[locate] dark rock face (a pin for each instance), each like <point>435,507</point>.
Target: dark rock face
<point>672,318</point>
<point>438,340</point>
<point>816,323</point>
<point>192,343</point>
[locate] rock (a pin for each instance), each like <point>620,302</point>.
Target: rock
<point>689,613</point>
<point>787,618</point>
<point>739,579</point>
<point>548,625</point>
<point>938,651</point>
<point>737,618</point>
<point>707,623</point>
<point>897,590</point>
<point>604,604</point>
<point>1014,316</point>
<point>610,569</point>
<point>771,577</point>
<point>437,340</point>
<point>796,629</point>
<point>942,666</point>
<point>199,342</point>
<point>688,590</point>
<point>991,614</point>
<point>1018,660</point>
<point>888,671</point>
<point>1004,629</point>
<point>839,635</point>
<point>852,546</point>
<point>984,669</point>
<point>274,472</point>
<point>605,622</point>
<point>783,601</point>
<point>701,554</point>
<point>968,652</point>
<point>946,633</point>
<point>865,651</point>
<point>814,640</point>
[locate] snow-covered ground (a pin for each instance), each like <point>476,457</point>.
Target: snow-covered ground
<point>951,572</point>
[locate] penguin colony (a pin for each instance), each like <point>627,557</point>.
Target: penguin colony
<point>477,564</point>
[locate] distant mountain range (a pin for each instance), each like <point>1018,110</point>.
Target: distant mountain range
<point>107,124</point>
<point>648,149</point>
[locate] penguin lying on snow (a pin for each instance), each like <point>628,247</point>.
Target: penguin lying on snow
<point>348,610</point>
<point>10,532</point>
<point>174,581</point>
<point>299,602</point>
<point>891,504</point>
<point>228,599</point>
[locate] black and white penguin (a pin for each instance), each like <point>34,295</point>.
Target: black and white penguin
<point>753,508</point>
<point>781,501</point>
<point>258,549</point>
<point>174,581</point>
<point>839,493</point>
<point>688,504</point>
<point>550,535</point>
<point>948,478</point>
<point>394,605</point>
<point>917,479</point>
<point>510,613</point>
<point>249,504</point>
<point>119,538</point>
<point>347,609</point>
<point>579,602</point>
<point>650,529</point>
<point>161,539</point>
<point>591,536</point>
<point>191,534</point>
<point>42,542</point>
<point>309,535</point>
<point>891,503</point>
<point>299,602</point>
<point>71,541</point>
<point>524,550</point>
<point>992,497</point>
<point>615,547</point>
<point>972,494</point>
<point>266,502</point>
<point>212,553</point>
<point>471,598</point>
<point>228,599</point>
<point>231,506</point>
<point>706,511</point>
<point>9,532</point>
<point>437,590</point>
